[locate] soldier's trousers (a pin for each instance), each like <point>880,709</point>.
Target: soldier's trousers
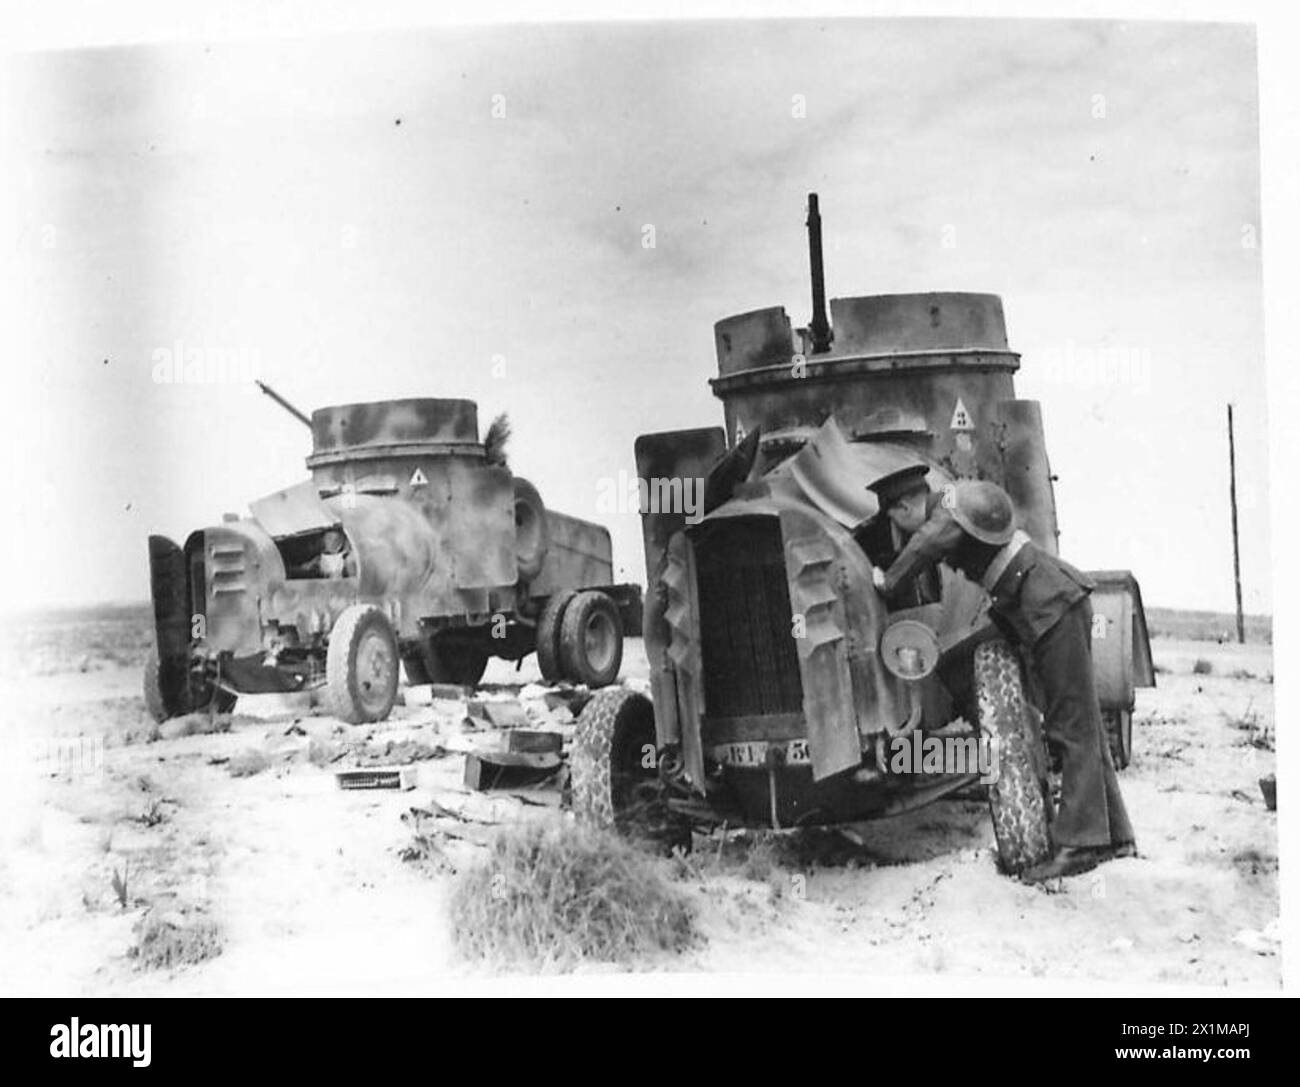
<point>1092,811</point>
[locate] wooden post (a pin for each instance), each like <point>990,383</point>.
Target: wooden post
<point>1236,550</point>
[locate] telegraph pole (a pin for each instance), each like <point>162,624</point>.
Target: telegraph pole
<point>1236,549</point>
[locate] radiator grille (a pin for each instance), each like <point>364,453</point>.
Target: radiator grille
<point>750,664</point>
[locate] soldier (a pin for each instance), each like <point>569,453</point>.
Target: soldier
<point>332,562</point>
<point>1040,603</point>
<point>906,502</point>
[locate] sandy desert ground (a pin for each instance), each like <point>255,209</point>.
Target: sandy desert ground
<point>305,889</point>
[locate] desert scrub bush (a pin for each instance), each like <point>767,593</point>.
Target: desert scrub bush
<point>154,814</point>
<point>1202,667</point>
<point>247,763</point>
<point>761,859</point>
<point>552,895</point>
<point>166,941</point>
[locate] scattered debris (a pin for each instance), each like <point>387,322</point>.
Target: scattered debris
<point>425,847</point>
<point>497,714</point>
<point>486,772</point>
<point>519,756</point>
<point>428,693</point>
<point>447,692</point>
<point>247,763</point>
<point>377,777</point>
<point>400,752</point>
<point>321,753</point>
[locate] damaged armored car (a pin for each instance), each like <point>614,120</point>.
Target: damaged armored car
<point>412,544</point>
<point>785,691</point>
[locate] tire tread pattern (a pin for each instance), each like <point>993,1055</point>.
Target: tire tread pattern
<point>573,648</point>
<point>1018,800</point>
<point>339,661</point>
<point>548,635</point>
<point>589,763</point>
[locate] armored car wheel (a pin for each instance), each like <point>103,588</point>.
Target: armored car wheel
<point>361,665</point>
<point>1119,731</point>
<point>548,635</point>
<point>591,639</point>
<point>155,701</point>
<point>614,774</point>
<point>162,706</point>
<point>532,532</point>
<point>1020,799</point>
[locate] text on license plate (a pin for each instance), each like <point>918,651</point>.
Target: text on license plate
<point>754,753</point>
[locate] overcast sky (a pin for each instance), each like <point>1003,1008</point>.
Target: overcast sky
<point>263,199</point>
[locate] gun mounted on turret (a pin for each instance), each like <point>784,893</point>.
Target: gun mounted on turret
<point>819,326</point>
<point>300,416</point>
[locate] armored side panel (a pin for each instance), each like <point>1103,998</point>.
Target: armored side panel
<point>822,642</point>
<point>233,569</point>
<point>684,456</point>
<point>1026,474</point>
<point>425,453</point>
<point>578,554</point>
<point>1121,647</point>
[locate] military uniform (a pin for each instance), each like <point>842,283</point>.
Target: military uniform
<point>883,541</point>
<point>1041,602</point>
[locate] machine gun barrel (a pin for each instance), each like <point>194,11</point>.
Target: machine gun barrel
<point>819,326</point>
<point>284,404</point>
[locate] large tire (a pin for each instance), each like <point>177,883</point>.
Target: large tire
<point>1119,731</point>
<point>613,770</point>
<point>548,635</point>
<point>591,639</point>
<point>361,665</point>
<point>155,702</point>
<point>532,532</point>
<point>1020,799</point>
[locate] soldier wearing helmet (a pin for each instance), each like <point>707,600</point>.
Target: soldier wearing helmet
<point>1041,603</point>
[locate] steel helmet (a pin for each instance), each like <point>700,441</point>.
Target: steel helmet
<point>983,510</point>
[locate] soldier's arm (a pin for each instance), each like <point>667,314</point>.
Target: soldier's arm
<point>929,544</point>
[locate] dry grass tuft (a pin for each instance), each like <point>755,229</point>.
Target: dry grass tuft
<point>553,895</point>
<point>164,942</point>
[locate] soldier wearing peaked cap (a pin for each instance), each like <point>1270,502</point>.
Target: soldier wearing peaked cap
<point>1041,603</point>
<point>906,502</point>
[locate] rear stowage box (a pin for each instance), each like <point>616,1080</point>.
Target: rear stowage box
<point>1121,654</point>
